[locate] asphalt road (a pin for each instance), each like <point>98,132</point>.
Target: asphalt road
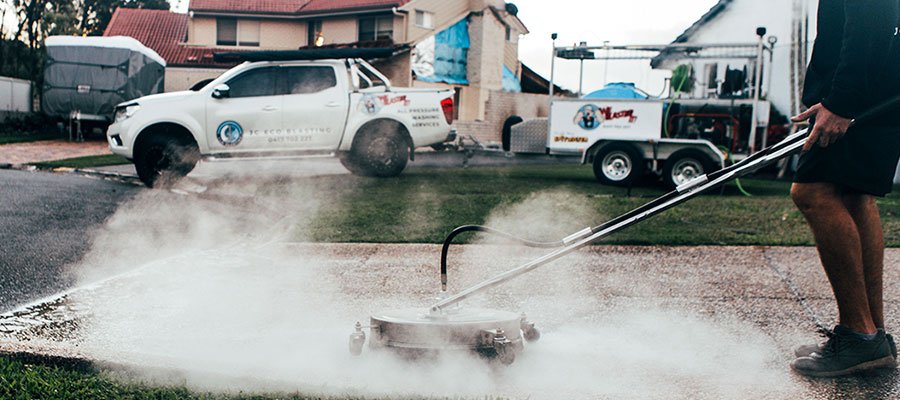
<point>46,222</point>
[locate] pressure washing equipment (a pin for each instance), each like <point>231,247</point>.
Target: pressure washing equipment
<point>494,334</point>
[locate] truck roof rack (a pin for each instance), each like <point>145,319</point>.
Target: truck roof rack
<point>306,54</point>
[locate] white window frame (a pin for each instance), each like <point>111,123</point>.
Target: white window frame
<point>427,19</point>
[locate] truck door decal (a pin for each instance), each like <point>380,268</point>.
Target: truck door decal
<point>230,133</point>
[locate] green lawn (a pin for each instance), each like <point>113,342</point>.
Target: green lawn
<point>84,162</point>
<point>20,380</point>
<point>25,380</point>
<point>423,205</point>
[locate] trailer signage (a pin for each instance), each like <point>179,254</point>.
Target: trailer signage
<point>577,124</point>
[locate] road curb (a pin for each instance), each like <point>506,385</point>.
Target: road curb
<point>108,175</point>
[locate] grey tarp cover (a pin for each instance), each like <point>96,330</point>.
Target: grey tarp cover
<point>94,74</point>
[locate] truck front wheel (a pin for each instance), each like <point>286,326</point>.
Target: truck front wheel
<point>380,153</point>
<point>618,164</point>
<point>162,160</point>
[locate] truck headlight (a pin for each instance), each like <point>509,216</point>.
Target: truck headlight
<point>125,111</point>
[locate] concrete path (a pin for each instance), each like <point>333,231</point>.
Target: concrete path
<point>617,322</point>
<point>49,150</point>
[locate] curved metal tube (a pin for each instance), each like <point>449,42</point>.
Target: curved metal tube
<point>478,228</point>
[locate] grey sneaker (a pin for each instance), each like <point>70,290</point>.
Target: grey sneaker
<point>844,353</point>
<point>807,349</point>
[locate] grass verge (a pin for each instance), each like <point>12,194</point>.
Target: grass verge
<point>21,380</point>
<point>423,205</point>
<point>84,162</point>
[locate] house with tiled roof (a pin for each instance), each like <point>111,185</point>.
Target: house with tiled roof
<point>468,45</point>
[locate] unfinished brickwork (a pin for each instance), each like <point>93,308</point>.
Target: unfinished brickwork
<point>398,69</point>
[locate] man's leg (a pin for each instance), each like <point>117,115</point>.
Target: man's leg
<point>840,249</point>
<point>864,211</point>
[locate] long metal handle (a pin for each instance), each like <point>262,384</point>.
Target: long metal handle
<point>786,147</point>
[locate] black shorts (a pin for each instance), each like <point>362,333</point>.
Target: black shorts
<point>864,160</point>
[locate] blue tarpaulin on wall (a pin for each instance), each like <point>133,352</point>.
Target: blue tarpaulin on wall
<point>511,82</point>
<point>451,55</point>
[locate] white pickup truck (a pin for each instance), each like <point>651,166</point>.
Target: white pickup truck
<point>277,109</point>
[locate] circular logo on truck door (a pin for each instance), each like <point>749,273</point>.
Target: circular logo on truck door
<point>229,133</point>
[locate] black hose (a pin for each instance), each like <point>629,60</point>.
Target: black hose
<point>478,228</point>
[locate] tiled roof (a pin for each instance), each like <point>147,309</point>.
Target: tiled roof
<point>321,6</point>
<point>165,32</point>
<point>243,6</point>
<point>290,7</point>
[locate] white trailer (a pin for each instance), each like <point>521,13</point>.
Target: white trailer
<point>677,139</point>
<point>625,139</point>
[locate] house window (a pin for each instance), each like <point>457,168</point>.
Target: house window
<point>233,32</point>
<point>226,31</point>
<point>376,28</point>
<point>512,36</point>
<point>248,33</point>
<point>314,36</point>
<point>424,19</point>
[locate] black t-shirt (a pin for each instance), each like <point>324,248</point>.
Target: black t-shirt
<point>856,58</point>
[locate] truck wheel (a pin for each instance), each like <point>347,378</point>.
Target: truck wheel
<point>162,160</point>
<point>377,153</point>
<point>618,164</point>
<point>684,166</point>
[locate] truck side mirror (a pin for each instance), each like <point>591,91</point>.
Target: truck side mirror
<point>221,91</point>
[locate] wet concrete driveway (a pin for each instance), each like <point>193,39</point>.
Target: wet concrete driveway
<point>617,322</point>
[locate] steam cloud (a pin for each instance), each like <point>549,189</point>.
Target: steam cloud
<point>212,292</point>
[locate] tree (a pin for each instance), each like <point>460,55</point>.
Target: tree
<point>94,15</point>
<point>41,18</point>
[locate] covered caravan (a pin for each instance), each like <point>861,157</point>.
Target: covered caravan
<point>88,76</point>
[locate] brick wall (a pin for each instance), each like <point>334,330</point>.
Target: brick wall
<point>398,69</point>
<point>179,78</point>
<point>499,107</point>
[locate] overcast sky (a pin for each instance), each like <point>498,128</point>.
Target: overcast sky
<point>618,21</point>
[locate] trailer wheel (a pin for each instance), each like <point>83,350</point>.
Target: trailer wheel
<point>162,160</point>
<point>684,166</point>
<point>380,152</point>
<point>618,164</point>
